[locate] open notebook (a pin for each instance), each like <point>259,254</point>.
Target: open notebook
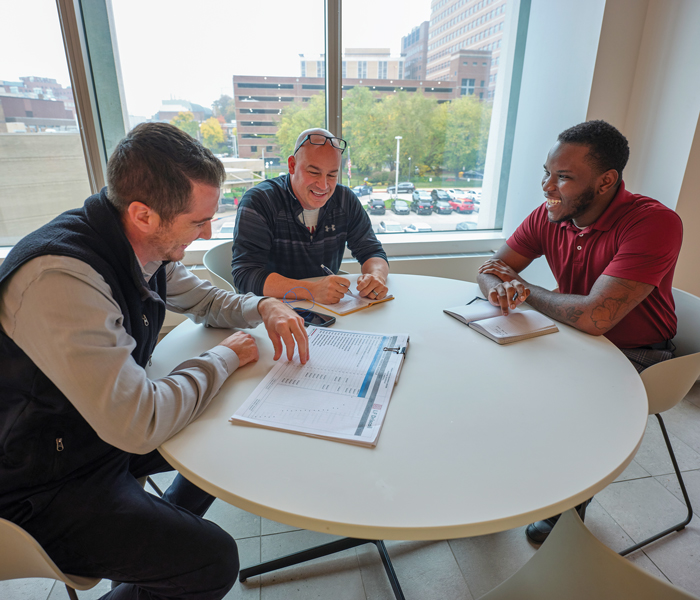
<point>489,321</point>
<point>352,302</point>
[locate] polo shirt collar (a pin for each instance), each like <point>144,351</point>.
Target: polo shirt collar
<point>619,206</point>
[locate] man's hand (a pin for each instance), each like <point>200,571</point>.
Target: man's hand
<point>284,326</point>
<point>372,286</point>
<point>330,289</point>
<point>512,291</point>
<point>243,344</point>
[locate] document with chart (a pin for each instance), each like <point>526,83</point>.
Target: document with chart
<point>342,393</point>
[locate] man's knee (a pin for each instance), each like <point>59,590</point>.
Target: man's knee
<point>223,571</point>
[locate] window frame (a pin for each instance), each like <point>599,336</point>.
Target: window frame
<point>93,59</point>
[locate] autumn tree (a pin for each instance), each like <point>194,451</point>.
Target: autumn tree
<point>186,122</point>
<point>212,134</point>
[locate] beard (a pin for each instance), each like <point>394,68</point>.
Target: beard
<point>579,205</point>
<point>167,248</point>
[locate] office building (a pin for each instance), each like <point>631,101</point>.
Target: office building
<point>359,63</point>
<point>414,48</point>
<point>260,102</point>
<point>465,25</point>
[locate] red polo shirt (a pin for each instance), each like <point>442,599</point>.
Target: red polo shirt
<point>636,238</point>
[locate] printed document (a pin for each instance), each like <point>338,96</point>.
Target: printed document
<point>342,393</point>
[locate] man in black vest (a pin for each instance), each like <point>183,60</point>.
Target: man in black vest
<point>82,301</point>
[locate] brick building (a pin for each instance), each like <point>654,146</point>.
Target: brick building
<point>457,25</point>
<point>261,100</point>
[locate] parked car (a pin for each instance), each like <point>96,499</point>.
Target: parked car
<point>465,226</point>
<point>421,195</point>
<point>417,228</point>
<point>461,194</point>
<point>422,205</point>
<point>442,207</point>
<point>463,205</point>
<point>440,195</point>
<point>400,207</point>
<point>362,190</point>
<point>405,187</point>
<point>226,230</point>
<point>376,207</point>
<point>389,227</point>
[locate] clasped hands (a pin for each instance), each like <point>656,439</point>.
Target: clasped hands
<point>285,328</point>
<point>512,291</point>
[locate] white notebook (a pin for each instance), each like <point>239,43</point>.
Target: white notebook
<point>488,320</point>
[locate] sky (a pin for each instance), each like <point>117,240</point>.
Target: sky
<point>172,49</point>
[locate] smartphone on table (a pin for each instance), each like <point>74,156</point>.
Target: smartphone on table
<point>314,318</point>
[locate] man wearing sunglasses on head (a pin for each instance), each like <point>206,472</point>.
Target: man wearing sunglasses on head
<point>287,227</point>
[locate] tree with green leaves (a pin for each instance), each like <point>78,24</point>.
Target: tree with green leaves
<point>450,135</point>
<point>185,121</point>
<point>297,118</point>
<point>212,134</point>
<point>466,134</point>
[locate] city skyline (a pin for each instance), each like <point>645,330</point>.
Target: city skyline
<point>158,64</point>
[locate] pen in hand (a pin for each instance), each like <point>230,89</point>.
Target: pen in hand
<point>327,271</point>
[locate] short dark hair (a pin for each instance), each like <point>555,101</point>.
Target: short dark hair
<point>156,164</point>
<point>607,147</point>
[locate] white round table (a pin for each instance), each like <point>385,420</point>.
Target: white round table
<point>478,438</point>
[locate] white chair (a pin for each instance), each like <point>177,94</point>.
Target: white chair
<point>217,260</point>
<point>574,565</point>
<point>21,557</point>
<point>668,382</point>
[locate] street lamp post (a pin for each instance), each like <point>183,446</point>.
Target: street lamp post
<point>398,145</point>
<point>409,168</point>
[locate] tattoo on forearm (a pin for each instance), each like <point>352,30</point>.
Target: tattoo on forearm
<point>572,314</point>
<point>604,314</point>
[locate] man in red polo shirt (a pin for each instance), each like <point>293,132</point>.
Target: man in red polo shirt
<point>612,253</point>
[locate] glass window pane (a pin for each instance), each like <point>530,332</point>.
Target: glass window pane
<point>42,166</point>
<point>244,78</point>
<point>418,88</point>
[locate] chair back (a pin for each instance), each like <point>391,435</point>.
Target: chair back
<point>217,260</point>
<point>21,556</point>
<point>687,338</point>
<point>573,564</point>
<point>668,382</point>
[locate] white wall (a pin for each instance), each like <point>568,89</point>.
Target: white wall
<point>560,57</point>
<point>633,63</point>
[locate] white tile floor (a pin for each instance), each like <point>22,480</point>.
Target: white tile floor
<point>644,499</point>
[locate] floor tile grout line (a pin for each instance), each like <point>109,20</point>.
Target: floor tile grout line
<point>657,566</point>
<point>362,577</point>
<point>466,581</point>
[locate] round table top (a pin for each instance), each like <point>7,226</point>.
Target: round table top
<point>478,437</point>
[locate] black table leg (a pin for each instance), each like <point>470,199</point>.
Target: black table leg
<point>326,550</point>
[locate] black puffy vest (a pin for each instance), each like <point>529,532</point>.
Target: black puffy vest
<point>43,438</point>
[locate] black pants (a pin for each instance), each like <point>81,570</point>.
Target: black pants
<point>106,525</point>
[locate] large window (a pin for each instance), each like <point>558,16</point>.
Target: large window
<point>233,89</point>
<point>409,106</point>
<point>42,167</point>
<point>427,130</point>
